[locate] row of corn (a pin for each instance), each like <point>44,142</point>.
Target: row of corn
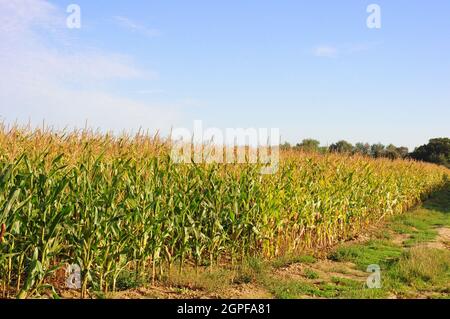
<point>111,205</point>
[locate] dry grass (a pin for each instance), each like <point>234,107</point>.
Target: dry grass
<point>424,264</point>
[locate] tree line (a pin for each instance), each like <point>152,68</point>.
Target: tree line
<point>436,151</point>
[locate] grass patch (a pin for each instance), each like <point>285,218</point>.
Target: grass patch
<point>421,266</point>
<point>365,293</point>
<point>251,270</point>
<point>311,274</point>
<point>338,288</point>
<point>213,280</point>
<point>347,282</point>
<point>289,289</point>
<point>421,225</point>
<point>287,260</point>
<point>379,252</point>
<point>294,289</point>
<point>128,280</point>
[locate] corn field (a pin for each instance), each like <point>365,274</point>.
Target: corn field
<point>110,204</point>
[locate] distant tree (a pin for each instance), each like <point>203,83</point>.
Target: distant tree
<point>341,147</point>
<point>309,145</point>
<point>436,151</point>
<point>403,151</point>
<point>377,150</point>
<point>391,152</point>
<point>285,146</point>
<point>362,148</point>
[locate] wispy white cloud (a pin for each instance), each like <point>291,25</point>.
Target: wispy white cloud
<point>136,27</point>
<point>18,16</point>
<point>62,81</point>
<point>326,51</point>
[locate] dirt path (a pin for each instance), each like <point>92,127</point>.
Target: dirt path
<point>442,240</point>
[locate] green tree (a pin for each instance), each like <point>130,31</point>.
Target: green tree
<point>391,152</point>
<point>436,151</point>
<point>362,148</point>
<point>285,146</point>
<point>403,151</point>
<point>341,147</point>
<point>377,150</point>
<point>309,145</point>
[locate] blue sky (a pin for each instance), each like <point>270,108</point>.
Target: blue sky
<point>310,68</point>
